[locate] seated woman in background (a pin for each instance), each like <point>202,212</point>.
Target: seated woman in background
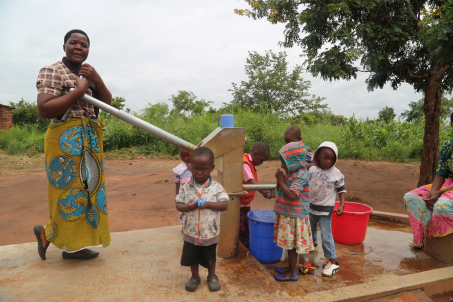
<point>430,207</point>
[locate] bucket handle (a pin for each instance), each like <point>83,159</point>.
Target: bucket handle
<point>358,213</point>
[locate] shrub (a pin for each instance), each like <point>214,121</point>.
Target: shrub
<point>26,115</point>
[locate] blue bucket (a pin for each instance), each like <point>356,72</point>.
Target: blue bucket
<point>261,228</point>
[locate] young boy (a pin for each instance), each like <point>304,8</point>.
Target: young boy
<point>182,173</point>
<point>202,200</point>
<point>260,153</point>
<point>325,182</point>
<point>292,135</point>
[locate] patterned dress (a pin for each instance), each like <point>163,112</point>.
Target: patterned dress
<point>439,222</point>
<point>75,171</point>
<point>292,225</point>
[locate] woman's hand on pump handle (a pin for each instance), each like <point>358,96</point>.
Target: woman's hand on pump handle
<point>88,71</point>
<point>82,83</point>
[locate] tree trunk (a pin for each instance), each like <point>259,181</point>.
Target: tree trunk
<point>430,154</point>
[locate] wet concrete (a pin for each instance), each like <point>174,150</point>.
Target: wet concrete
<point>386,252</point>
<point>144,266</point>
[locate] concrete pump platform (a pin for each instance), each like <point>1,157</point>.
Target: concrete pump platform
<point>144,265</point>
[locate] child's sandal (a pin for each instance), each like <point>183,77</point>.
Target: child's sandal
<point>213,284</point>
<point>192,284</point>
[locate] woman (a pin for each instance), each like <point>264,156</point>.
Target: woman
<point>73,153</point>
<point>430,207</point>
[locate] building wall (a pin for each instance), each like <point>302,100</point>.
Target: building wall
<point>6,117</point>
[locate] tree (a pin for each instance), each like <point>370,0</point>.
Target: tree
<point>416,113</point>
<point>186,103</point>
<point>273,87</point>
<point>387,114</point>
<point>315,117</point>
<point>160,109</point>
<point>394,40</point>
<point>118,102</point>
<point>26,114</point>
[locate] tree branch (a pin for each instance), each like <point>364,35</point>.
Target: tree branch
<point>411,12</point>
<point>422,77</point>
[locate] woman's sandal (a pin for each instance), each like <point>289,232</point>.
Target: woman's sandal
<point>89,255</point>
<point>41,249</point>
<point>281,270</point>
<point>281,278</point>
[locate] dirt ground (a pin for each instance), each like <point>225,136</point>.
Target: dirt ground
<point>141,191</point>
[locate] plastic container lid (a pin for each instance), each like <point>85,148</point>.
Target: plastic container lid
<point>263,215</point>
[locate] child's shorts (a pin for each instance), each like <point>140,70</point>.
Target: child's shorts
<point>193,254</point>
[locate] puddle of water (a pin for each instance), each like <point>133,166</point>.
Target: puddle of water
<point>386,252</point>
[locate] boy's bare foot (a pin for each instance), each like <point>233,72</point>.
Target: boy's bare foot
<point>288,274</point>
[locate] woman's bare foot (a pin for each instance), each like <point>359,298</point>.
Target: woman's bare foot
<point>45,242</point>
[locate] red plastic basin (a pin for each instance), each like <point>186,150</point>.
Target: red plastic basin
<point>350,228</point>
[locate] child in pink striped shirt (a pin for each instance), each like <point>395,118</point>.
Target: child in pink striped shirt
<point>182,174</point>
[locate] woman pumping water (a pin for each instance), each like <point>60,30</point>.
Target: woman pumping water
<point>73,153</point>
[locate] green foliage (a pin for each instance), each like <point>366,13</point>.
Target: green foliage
<point>186,103</point>
<point>271,86</point>
<point>118,102</point>
<point>26,115</point>
<point>415,112</point>
<point>436,32</point>
<point>395,41</point>
<point>260,126</point>
<point>193,128</point>
<point>22,140</point>
<point>321,117</point>
<point>387,114</point>
<point>160,109</point>
<point>399,141</point>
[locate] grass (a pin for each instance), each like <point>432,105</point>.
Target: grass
<point>22,140</point>
<point>398,141</point>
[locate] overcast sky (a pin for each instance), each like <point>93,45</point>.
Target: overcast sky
<point>146,51</point>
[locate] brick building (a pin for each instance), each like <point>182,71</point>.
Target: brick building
<point>6,117</point>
